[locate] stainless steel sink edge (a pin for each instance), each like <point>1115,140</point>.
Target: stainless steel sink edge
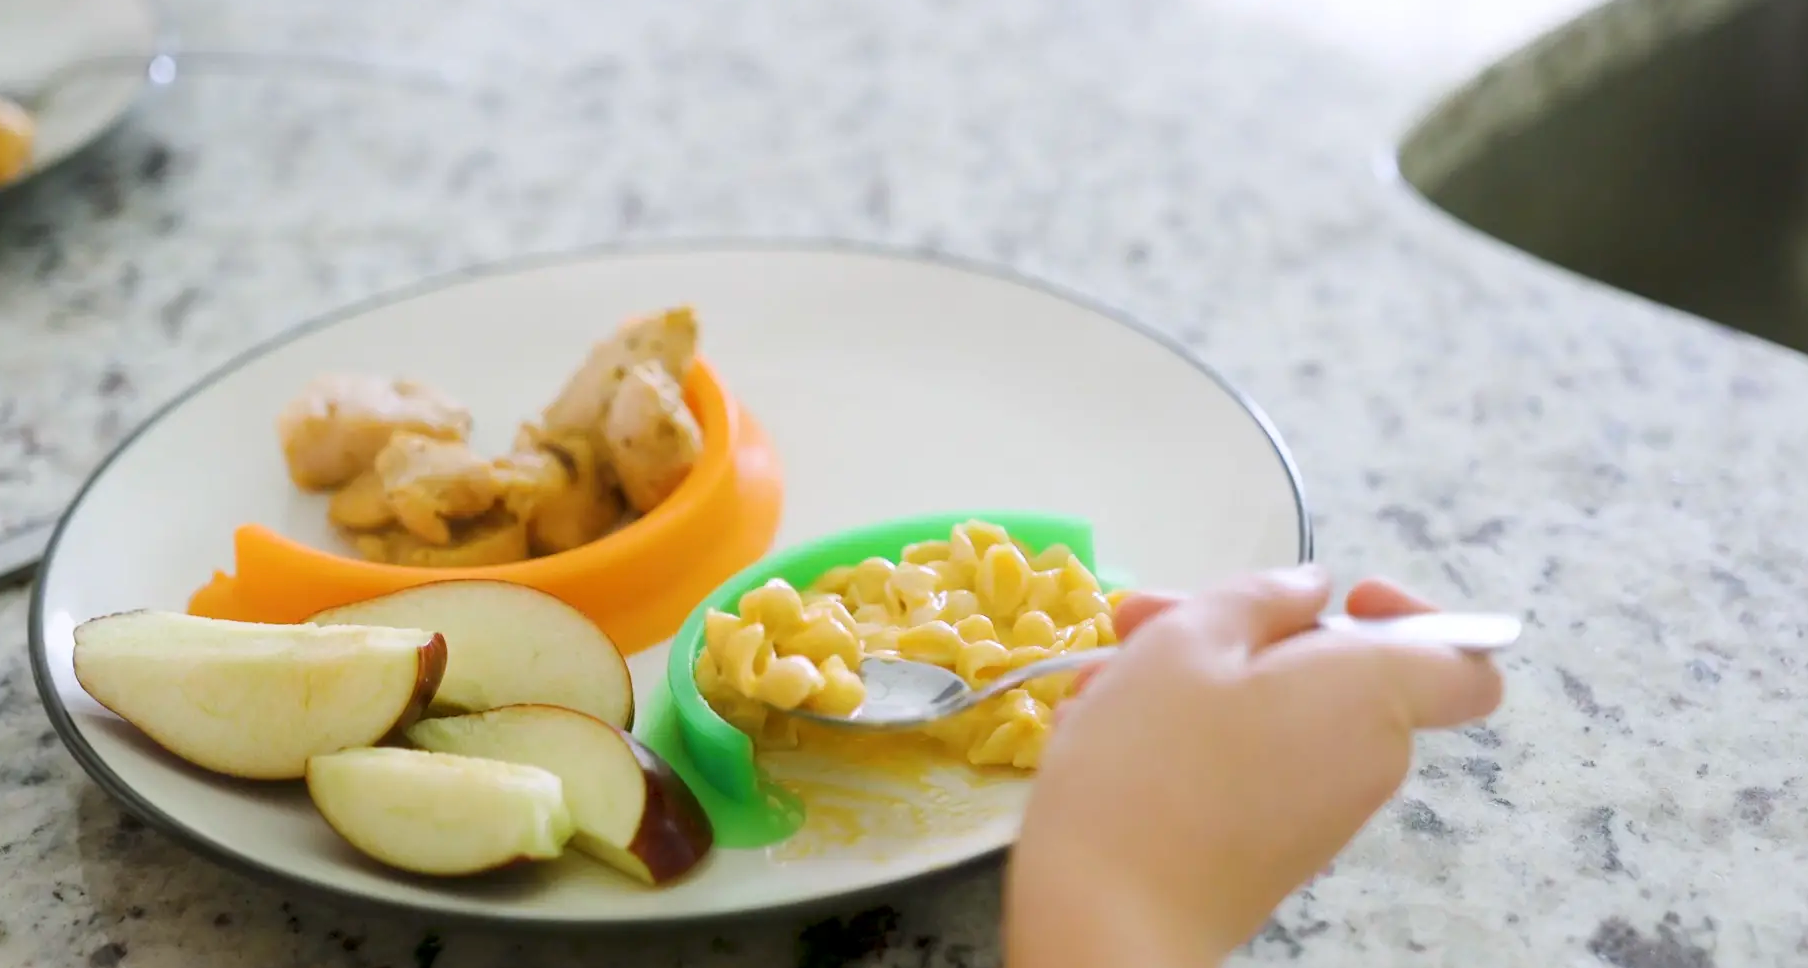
<point>1518,88</point>
<point>1656,147</point>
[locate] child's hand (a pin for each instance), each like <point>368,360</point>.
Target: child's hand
<point>1217,765</point>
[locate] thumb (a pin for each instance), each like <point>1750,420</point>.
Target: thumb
<point>1138,608</point>
<point>1426,687</point>
<point>1442,687</point>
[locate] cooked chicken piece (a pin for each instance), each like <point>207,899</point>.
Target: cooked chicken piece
<point>529,478</point>
<point>361,505</point>
<point>559,487</point>
<point>497,538</point>
<point>429,481</point>
<point>669,338</point>
<point>652,438</point>
<point>331,432</point>
<point>530,437</point>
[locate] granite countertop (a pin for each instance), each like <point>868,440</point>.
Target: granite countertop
<point>1472,421</point>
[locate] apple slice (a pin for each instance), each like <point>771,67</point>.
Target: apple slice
<point>434,813</point>
<point>632,812</point>
<point>507,644</point>
<point>252,700</point>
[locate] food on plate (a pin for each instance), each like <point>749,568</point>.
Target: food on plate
<point>361,505</point>
<point>408,488</point>
<point>561,488</point>
<point>333,430</point>
<point>507,644</point>
<point>979,603</point>
<point>668,339</point>
<point>533,750</point>
<point>630,810</point>
<point>435,813</point>
<point>252,700</point>
<point>429,484</point>
<point>493,539</point>
<point>651,436</point>
<point>17,134</point>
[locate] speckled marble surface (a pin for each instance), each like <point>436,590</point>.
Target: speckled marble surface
<point>1494,431</point>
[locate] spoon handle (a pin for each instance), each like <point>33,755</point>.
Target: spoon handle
<point>1466,631</point>
<point>1065,662</point>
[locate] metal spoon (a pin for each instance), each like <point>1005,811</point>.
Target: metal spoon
<point>901,694</point>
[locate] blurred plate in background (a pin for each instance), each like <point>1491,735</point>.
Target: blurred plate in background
<point>37,37</point>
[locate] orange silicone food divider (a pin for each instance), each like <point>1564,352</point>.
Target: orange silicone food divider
<point>637,584</point>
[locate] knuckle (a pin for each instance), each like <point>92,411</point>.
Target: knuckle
<point>1242,599</point>
<point>1257,587</point>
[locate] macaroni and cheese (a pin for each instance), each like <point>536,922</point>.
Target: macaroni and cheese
<point>979,603</point>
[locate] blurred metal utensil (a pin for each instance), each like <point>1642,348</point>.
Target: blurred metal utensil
<point>902,694</point>
<point>20,549</point>
<point>163,67</point>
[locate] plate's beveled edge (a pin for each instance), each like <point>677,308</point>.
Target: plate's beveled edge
<point>121,792</point>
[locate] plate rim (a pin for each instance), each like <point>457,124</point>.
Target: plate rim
<point>143,809</point>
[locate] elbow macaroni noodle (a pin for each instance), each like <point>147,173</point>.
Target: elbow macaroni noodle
<point>979,603</point>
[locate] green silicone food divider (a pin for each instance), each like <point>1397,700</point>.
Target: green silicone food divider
<point>716,759</point>
<point>767,816</point>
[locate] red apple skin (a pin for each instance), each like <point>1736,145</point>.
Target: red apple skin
<point>433,669</point>
<point>675,834</point>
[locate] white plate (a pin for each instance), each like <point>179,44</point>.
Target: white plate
<point>890,385</point>
<point>39,36</point>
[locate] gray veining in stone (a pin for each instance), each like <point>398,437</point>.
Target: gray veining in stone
<point>1497,433</point>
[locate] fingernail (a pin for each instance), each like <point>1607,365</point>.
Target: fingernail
<point>1309,577</point>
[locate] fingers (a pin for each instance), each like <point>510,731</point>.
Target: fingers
<point>1139,607</point>
<point>1131,614</point>
<point>1371,598</point>
<point>1441,688</point>
<point>1435,688</point>
<point>1252,612</point>
<point>1422,688</point>
<point>1380,598</point>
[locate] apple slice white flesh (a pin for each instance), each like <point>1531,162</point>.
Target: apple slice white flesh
<point>632,812</point>
<point>434,813</point>
<point>253,700</point>
<point>507,644</point>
